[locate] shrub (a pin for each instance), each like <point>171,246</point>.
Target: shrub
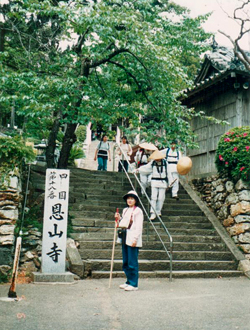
<point>34,218</point>
<point>233,154</point>
<point>75,153</point>
<point>81,133</point>
<point>13,152</point>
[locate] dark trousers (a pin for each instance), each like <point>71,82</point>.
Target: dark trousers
<point>125,164</point>
<point>130,264</point>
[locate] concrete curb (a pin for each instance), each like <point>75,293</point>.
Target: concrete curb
<point>244,264</point>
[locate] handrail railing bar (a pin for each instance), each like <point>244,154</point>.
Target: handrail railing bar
<point>146,212</point>
<point>146,195</point>
<point>149,201</point>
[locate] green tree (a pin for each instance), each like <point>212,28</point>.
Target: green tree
<point>72,62</point>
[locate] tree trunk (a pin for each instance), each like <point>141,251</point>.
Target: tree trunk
<point>50,150</point>
<point>70,137</point>
<point>68,140</point>
<point>2,37</point>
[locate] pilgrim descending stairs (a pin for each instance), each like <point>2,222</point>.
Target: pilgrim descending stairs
<point>172,157</point>
<point>158,169</point>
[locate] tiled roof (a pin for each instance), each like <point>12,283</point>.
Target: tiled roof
<point>217,64</point>
<point>223,58</point>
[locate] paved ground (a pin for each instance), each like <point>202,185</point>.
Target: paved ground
<point>184,304</point>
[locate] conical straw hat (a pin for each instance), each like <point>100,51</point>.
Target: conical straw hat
<point>184,165</point>
<point>148,146</point>
<point>157,155</point>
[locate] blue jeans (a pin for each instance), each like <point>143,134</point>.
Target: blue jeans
<point>102,164</point>
<point>130,264</point>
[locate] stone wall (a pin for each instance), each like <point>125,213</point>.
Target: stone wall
<point>9,203</point>
<point>231,204</point>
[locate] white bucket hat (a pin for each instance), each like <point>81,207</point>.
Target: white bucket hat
<point>133,194</point>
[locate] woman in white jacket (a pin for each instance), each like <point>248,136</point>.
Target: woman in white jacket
<point>130,249</point>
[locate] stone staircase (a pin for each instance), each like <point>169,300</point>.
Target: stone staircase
<point>198,249</point>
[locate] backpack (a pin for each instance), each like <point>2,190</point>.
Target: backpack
<point>172,156</point>
<point>102,153</point>
<point>166,168</point>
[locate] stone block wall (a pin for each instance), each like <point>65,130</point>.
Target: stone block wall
<point>231,204</point>
<point>9,204</point>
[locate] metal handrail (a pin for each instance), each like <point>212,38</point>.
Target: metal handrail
<point>170,252</point>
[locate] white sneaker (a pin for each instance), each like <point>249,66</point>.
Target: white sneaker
<point>130,288</point>
<point>123,286</point>
<point>153,216</point>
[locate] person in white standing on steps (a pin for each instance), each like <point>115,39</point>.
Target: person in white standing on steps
<point>127,149</point>
<point>141,159</point>
<point>158,169</point>
<point>133,216</point>
<point>172,157</point>
<point>102,154</point>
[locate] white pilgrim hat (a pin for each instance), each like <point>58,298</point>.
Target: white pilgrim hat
<point>157,155</point>
<point>148,146</point>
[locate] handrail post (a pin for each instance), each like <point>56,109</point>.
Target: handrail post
<point>123,168</point>
<point>114,157</point>
<point>171,261</point>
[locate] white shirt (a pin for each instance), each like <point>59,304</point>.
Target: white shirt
<point>126,148</point>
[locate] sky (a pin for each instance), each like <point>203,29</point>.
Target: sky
<point>219,19</point>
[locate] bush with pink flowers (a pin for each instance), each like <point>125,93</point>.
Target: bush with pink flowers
<point>233,154</point>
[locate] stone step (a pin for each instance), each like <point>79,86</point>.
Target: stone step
<point>157,254</point>
<point>161,231</point>
<point>88,205</point>
<point>95,212</point>
<point>178,246</point>
<point>175,274</point>
<point>169,203</point>
<point>96,176</point>
<point>82,185</point>
<point>153,265</point>
<point>110,224</point>
<point>117,201</point>
<point>78,172</point>
<point>101,184</point>
<point>114,201</point>
<point>165,219</point>
<point>165,238</point>
<point>119,191</point>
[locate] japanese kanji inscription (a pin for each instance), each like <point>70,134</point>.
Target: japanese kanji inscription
<point>55,221</point>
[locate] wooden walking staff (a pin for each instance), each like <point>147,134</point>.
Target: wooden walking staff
<point>12,290</point>
<point>113,250</point>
